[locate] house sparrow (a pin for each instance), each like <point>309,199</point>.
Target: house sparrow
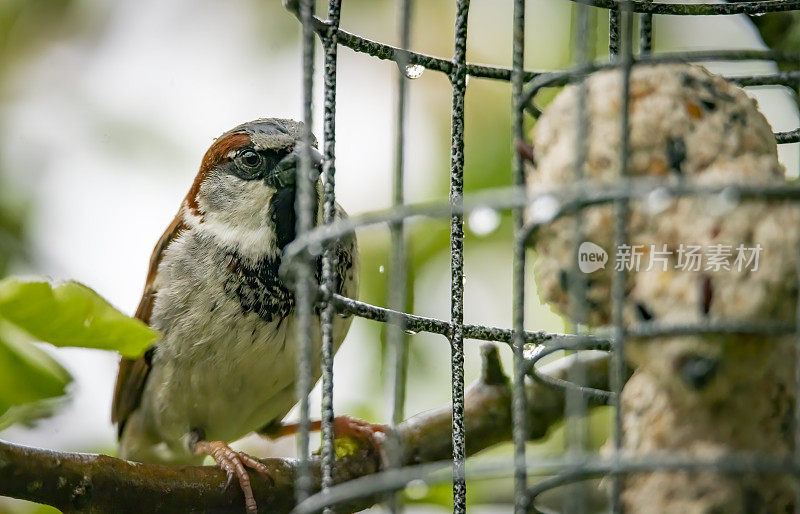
<point>225,365</point>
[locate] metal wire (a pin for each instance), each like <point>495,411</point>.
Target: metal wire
<point>797,385</point>
<point>797,388</point>
<point>619,278</point>
<point>304,275</point>
<point>575,406</point>
<point>329,263</point>
<point>396,338</point>
<point>697,9</point>
<point>646,34</point>
<point>565,471</point>
<point>458,79</point>
<point>518,287</point>
<point>613,31</point>
<point>301,255</point>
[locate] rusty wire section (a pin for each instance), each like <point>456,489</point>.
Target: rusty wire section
<point>578,464</point>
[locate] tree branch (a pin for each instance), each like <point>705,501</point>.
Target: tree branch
<point>74,482</point>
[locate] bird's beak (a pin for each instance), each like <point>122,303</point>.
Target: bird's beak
<point>285,173</point>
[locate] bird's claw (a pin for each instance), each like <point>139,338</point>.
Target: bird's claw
<point>343,426</point>
<point>374,434</point>
<point>235,464</point>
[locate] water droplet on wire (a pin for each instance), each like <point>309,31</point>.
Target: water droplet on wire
<point>483,221</point>
<point>381,269</point>
<point>416,490</point>
<point>724,202</point>
<point>414,71</point>
<point>544,209</point>
<point>658,201</point>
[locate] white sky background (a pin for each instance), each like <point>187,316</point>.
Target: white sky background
<point>106,131</point>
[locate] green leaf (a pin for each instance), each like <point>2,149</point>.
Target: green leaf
<point>28,413</point>
<point>71,314</point>
<point>29,378</point>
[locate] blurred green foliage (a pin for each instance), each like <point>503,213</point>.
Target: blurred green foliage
<point>26,27</point>
<point>13,213</point>
<point>780,31</point>
<point>28,378</point>
<point>30,381</point>
<point>71,314</point>
<point>67,314</point>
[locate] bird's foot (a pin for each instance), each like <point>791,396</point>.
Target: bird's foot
<point>374,434</point>
<point>235,464</point>
<point>343,426</point>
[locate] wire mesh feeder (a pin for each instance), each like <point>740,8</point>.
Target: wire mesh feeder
<point>578,464</point>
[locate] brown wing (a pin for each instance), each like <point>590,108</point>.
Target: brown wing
<point>133,372</point>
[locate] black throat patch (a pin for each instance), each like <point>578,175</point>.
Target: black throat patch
<point>284,216</point>
<point>258,286</point>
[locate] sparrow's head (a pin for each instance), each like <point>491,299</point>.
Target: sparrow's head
<point>244,193</point>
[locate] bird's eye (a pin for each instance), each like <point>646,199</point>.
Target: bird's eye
<point>249,162</point>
